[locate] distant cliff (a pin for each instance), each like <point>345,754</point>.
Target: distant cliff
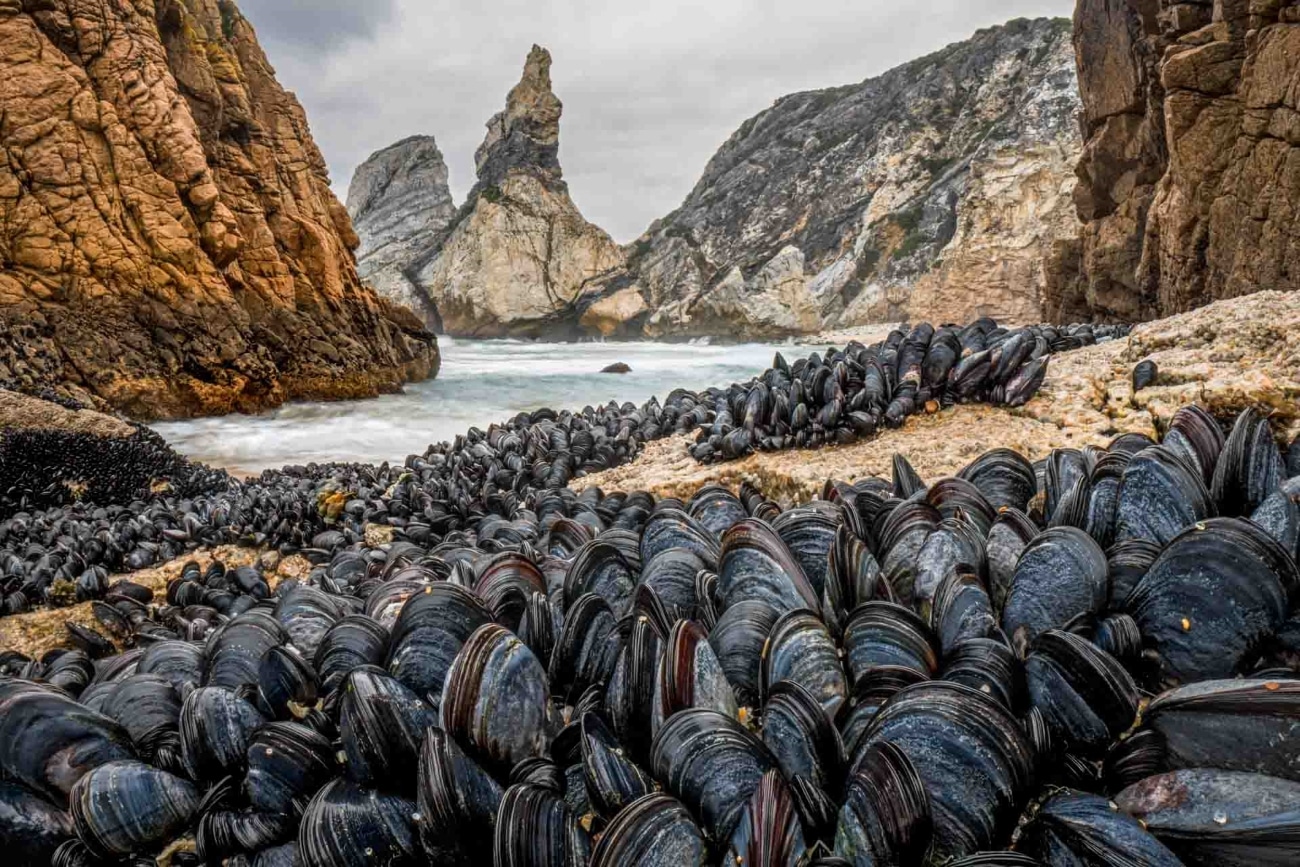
<point>1190,179</point>
<point>169,245</point>
<point>939,190</point>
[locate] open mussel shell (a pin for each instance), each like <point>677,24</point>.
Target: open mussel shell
<point>48,741</point>
<point>31,828</point>
<point>1005,478</point>
<point>800,649</point>
<point>535,829</point>
<point>1076,828</point>
<point>886,815</point>
<point>1216,594</point>
<point>738,640</point>
<point>1250,467</point>
<point>972,756</point>
<point>1215,818</point>
<point>458,802</point>
<point>654,831</point>
<point>691,675</point>
<point>346,824</point>
<point>803,738</point>
<point>711,763</point>
<point>430,630</point>
<point>287,764</point>
<point>127,806</point>
<point>1061,576</point>
<point>381,725</point>
<point>769,833</point>
<point>1161,494</point>
<point>1086,697</point>
<point>1241,725</point>
<point>612,780</point>
<point>496,699</point>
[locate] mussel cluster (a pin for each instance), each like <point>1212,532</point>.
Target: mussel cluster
<point>1088,661</point>
<point>845,395</point>
<point>75,508</point>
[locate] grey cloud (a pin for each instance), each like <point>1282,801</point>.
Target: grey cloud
<point>651,88</point>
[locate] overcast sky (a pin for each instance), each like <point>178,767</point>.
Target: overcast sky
<point>651,88</point>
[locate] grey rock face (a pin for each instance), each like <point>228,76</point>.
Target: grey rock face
<point>937,189</point>
<point>400,205</point>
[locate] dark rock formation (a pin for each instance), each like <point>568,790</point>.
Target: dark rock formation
<point>400,203</point>
<point>169,245</point>
<point>1190,175</point>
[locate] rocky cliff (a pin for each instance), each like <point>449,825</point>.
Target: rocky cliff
<point>169,245</point>
<point>400,203</point>
<point>1191,172</point>
<point>937,190</point>
<point>518,258</point>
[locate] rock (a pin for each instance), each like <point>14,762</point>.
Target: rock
<point>518,259</point>
<point>400,204</point>
<point>935,191</point>
<point>1187,183</point>
<point>618,367</point>
<point>172,245</point>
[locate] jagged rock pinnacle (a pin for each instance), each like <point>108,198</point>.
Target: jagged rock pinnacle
<point>526,135</point>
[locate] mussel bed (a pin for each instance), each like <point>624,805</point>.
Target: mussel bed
<point>1087,660</point>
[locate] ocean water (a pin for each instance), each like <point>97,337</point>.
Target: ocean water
<point>481,382</point>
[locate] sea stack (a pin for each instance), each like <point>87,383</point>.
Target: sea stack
<point>518,259</point>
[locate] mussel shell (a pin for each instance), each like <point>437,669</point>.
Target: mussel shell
<point>1241,725</point>
<point>1076,828</point>
<point>178,661</point>
<point>458,801</point>
<point>587,650</point>
<point>382,725</point>
<point>756,565</point>
<point>886,817</point>
<point>1086,697</point>
<point>31,828</point>
<point>975,762</point>
<point>961,611</point>
<point>1061,576</point>
<point>612,780</point>
<point>1160,495</point>
<point>430,630</point>
<point>1220,818</point>
<point>654,831</point>
<point>286,683</point>
<point>496,698</point>
<point>1250,467</point>
<point>534,829</point>
<point>803,738</point>
<point>149,708</point>
<point>48,741</point>
<point>1212,598</point>
<point>346,824</point>
<point>738,640</point>
<point>809,533</point>
<point>716,509</point>
<point>287,765</point>
<point>691,675</point>
<point>712,764</point>
<point>769,833</point>
<point>633,690</point>
<point>216,726</point>
<point>884,634</point>
<point>1005,478</point>
<point>800,649</point>
<point>353,641</point>
<point>126,806</point>
<point>234,651</point>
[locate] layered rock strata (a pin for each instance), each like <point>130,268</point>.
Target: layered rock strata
<point>1191,172</point>
<point>169,245</point>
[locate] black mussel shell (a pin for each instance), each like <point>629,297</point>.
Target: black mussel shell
<point>234,651</point>
<point>1061,576</point>
<point>535,829</point>
<point>691,675</point>
<point>1005,478</point>
<point>430,630</point>
<point>287,764</point>
<point>802,738</point>
<point>1160,494</point>
<point>1075,828</point>
<point>1145,375</point>
<point>886,815</point>
<point>1220,818</point>
<point>612,780</point>
<point>216,726</point>
<point>654,831</point>
<point>346,824</point>
<point>885,634</point>
<point>352,642</point>
<point>633,691</point>
<point>127,806</point>
<point>769,833</point>
<point>1086,697</point>
<point>711,763</point>
<point>458,802</point>
<point>800,649</point>
<point>382,725</point>
<point>1250,467</point>
<point>738,640</point>
<point>31,828</point>
<point>756,565</point>
<point>287,684</point>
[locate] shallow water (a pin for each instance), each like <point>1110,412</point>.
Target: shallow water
<point>481,382</point>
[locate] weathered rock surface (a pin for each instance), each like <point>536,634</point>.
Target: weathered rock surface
<point>1225,357</point>
<point>936,191</point>
<point>1191,173</point>
<point>400,203</point>
<point>518,259</point>
<point>169,245</point>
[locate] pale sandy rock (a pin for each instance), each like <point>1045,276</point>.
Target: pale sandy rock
<point>611,315</point>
